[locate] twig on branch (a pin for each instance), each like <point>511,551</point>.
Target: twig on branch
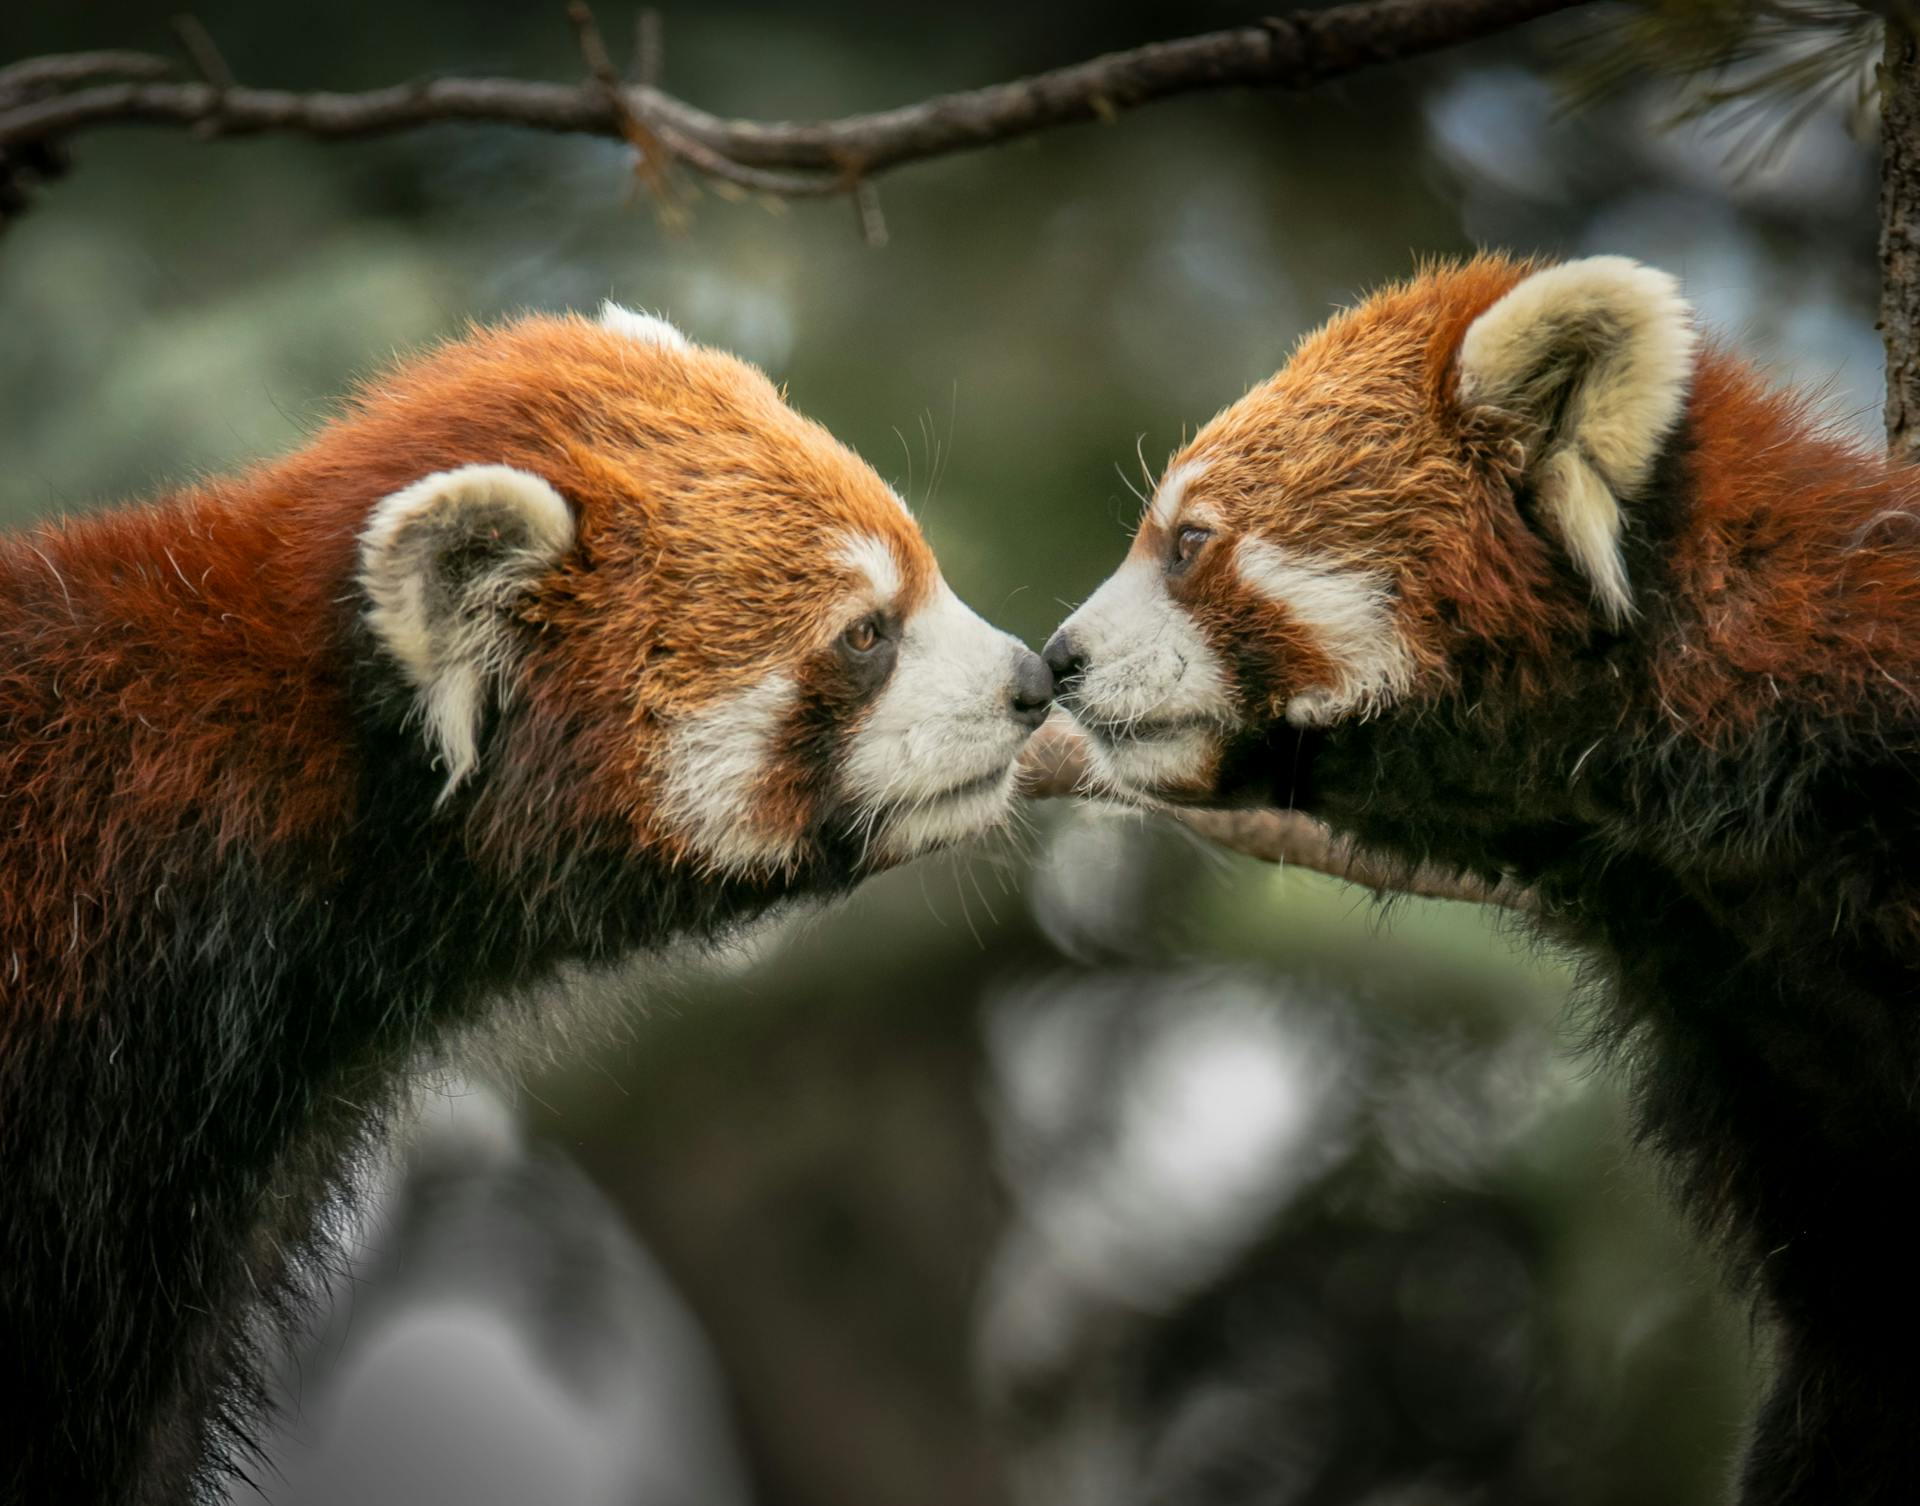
<point>203,51</point>
<point>649,60</point>
<point>46,100</point>
<point>205,55</point>
<point>873,221</point>
<point>1055,765</point>
<point>653,160</point>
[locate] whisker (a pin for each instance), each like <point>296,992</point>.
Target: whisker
<point>966,912</point>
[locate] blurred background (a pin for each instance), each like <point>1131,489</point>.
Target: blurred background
<point>1097,1166</point>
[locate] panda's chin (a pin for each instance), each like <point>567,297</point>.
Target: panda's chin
<point>1148,763</point>
<point>968,808</point>
<point>1205,767</point>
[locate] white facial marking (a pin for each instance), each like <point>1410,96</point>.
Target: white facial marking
<point>446,633</point>
<point>1350,613</point>
<point>1149,663</point>
<point>1154,688</point>
<point>873,559</point>
<point>650,328</point>
<point>933,760</point>
<point>716,763</point>
<point>1172,491</point>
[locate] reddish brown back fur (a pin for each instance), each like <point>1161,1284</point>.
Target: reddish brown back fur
<point>1796,567</point>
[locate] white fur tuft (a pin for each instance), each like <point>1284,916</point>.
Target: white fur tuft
<point>444,628</point>
<point>1609,345</point>
<point>871,557</point>
<point>650,328</point>
<point>1172,491</point>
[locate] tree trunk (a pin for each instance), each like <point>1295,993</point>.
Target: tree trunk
<point>1900,230</point>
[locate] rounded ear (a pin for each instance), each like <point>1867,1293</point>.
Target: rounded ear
<point>1594,358</point>
<point>441,562</point>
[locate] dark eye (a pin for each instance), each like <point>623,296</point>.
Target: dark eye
<point>1187,544</point>
<point>863,636</point>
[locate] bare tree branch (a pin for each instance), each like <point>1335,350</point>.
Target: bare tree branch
<point>40,75</point>
<point>1055,766</point>
<point>39,102</point>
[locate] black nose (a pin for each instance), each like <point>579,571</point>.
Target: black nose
<point>1032,689</point>
<point>1064,658</point>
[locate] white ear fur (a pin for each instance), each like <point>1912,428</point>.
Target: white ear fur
<point>1596,355</point>
<point>440,560</point>
<point>650,328</point>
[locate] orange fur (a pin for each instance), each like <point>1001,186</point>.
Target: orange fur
<point>1358,452</point>
<point>1355,453</point>
<point>175,667</point>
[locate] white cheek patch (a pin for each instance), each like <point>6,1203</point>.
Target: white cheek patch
<point>650,329</point>
<point>716,761</point>
<point>1148,662</point>
<point>932,762</point>
<point>1350,613</point>
<point>870,557</point>
<point>1172,492</point>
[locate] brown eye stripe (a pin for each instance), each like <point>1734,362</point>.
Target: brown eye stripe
<point>831,699</point>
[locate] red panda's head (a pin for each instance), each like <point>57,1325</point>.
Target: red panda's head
<point>1445,467</point>
<point>623,588</point>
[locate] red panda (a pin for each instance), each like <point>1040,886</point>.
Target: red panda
<point>1508,570</point>
<point>565,640</point>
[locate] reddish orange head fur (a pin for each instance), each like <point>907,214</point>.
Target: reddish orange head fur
<point>605,582</point>
<point>1449,467</point>
<point>743,623</point>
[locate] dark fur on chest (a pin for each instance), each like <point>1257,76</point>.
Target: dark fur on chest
<point>1750,930</point>
<point>172,1151</point>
